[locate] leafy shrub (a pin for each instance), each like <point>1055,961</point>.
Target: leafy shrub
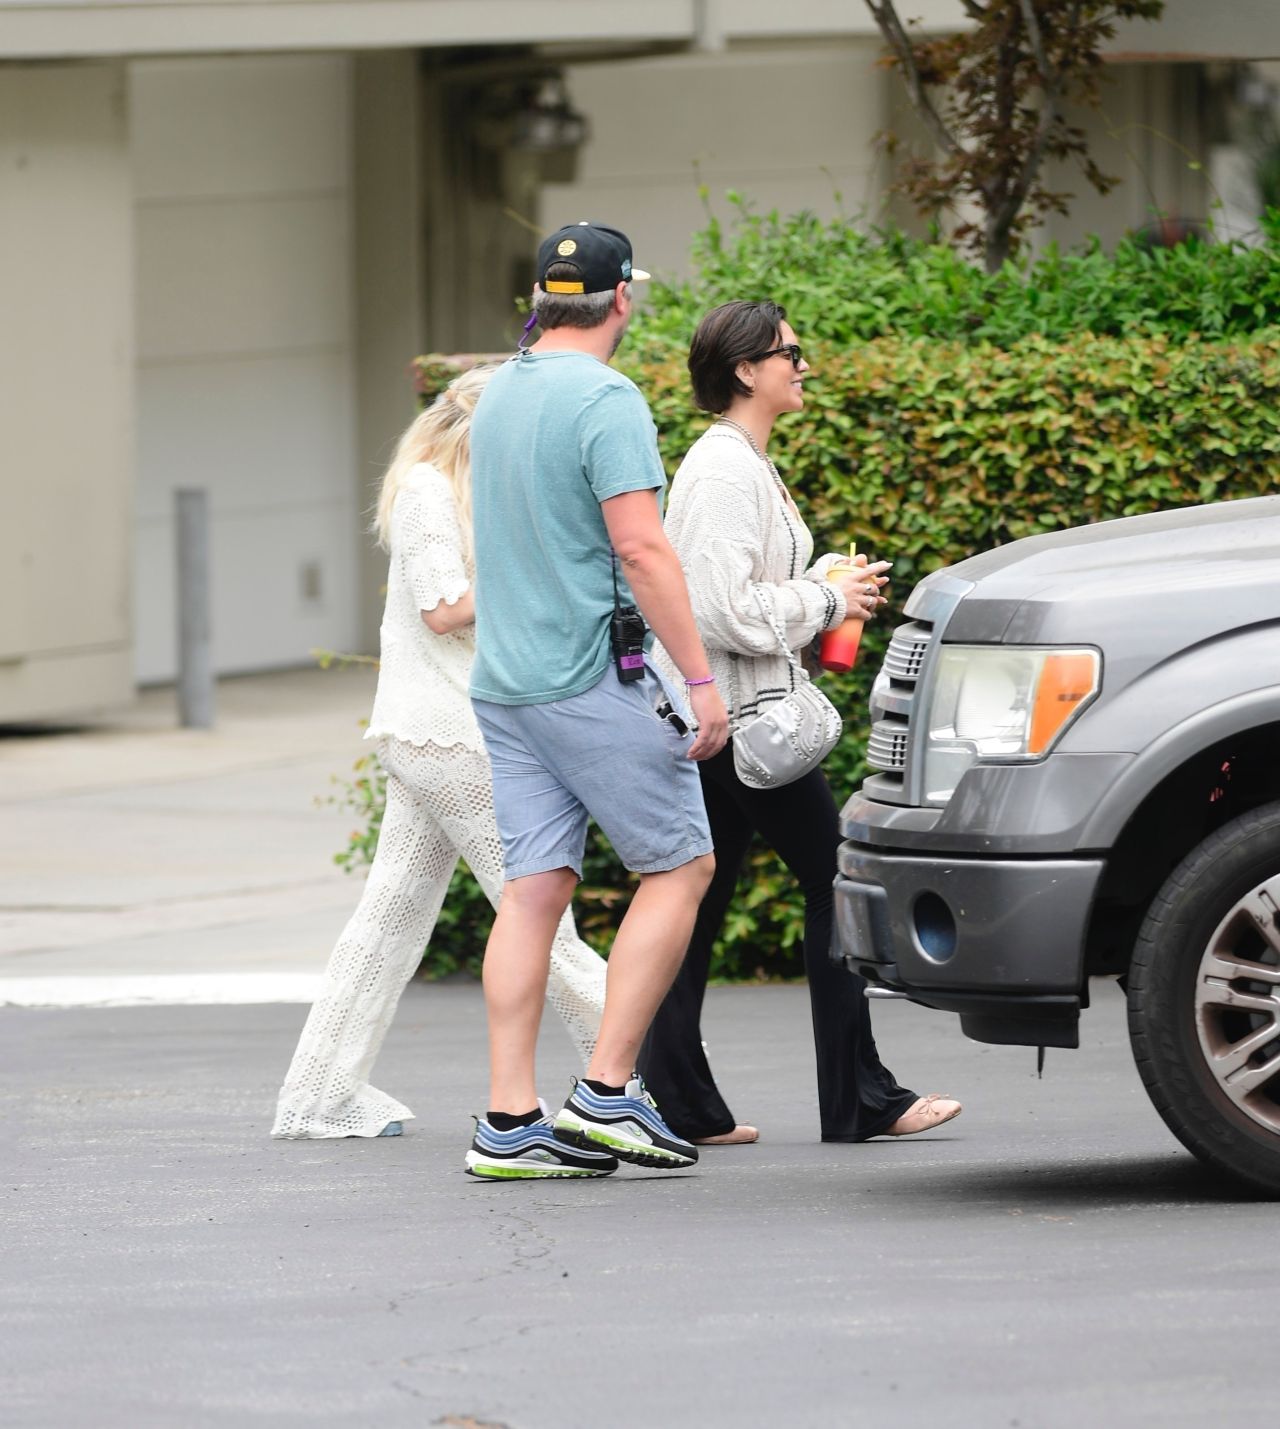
<point>950,412</point>
<point>846,285</point>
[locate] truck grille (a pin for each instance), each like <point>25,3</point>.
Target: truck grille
<point>887,747</point>
<point>905,655</point>
<point>891,699</point>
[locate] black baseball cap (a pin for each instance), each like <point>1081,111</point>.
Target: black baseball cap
<point>600,256</point>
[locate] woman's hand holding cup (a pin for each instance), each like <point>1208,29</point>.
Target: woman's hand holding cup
<point>860,585</point>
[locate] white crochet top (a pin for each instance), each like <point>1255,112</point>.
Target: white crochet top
<point>422,683</point>
<point>739,537</point>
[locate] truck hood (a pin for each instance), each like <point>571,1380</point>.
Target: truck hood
<point>1203,569</point>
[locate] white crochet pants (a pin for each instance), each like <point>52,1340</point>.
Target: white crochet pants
<point>439,809</point>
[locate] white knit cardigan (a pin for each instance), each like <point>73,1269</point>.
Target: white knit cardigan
<point>422,695</point>
<point>739,539</point>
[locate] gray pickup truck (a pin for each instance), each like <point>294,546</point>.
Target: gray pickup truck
<point>1077,746</point>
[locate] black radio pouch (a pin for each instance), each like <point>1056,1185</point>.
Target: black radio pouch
<point>626,635</point>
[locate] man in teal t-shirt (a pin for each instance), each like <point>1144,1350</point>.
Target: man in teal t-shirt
<point>565,475</point>
<point>567,434</point>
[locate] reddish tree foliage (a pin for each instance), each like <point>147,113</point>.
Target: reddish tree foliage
<point>995,99</point>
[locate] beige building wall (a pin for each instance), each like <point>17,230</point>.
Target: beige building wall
<point>66,390</point>
<point>160,27</point>
<point>791,125</point>
<point>245,350</point>
<point>1197,30</point>
<point>1148,133</point>
<point>313,203</point>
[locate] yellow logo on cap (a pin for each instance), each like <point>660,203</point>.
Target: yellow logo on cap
<point>566,247</point>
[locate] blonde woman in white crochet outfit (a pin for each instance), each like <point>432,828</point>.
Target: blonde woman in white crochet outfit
<point>439,793</point>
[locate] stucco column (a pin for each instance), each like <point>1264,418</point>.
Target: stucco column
<point>66,390</point>
<point>387,189</point>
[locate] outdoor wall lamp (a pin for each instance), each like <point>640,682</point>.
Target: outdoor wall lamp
<point>547,122</point>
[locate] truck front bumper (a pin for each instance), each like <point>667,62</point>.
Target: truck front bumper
<point>999,941</point>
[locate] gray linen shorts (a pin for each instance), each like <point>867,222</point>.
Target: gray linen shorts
<point>604,753</point>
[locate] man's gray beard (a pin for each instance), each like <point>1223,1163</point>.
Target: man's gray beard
<point>619,335</point>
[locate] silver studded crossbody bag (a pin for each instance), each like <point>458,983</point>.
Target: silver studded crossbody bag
<point>792,736</point>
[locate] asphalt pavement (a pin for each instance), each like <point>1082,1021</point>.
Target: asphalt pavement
<point>1052,1258</point>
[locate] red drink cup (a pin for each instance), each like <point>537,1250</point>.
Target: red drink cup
<point>838,649</point>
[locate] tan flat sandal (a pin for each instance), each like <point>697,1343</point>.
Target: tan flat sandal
<point>739,1136</point>
<point>925,1114</point>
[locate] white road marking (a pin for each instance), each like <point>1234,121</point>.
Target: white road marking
<point>159,990</point>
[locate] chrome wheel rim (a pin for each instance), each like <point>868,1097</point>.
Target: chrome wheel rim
<point>1238,1005</point>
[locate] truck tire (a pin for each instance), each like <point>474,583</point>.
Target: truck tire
<point>1204,1000</point>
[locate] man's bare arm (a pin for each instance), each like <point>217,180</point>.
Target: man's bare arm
<point>653,572</point>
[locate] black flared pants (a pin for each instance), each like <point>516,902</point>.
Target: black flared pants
<point>857,1095</point>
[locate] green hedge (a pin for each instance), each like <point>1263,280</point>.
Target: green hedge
<point>846,285</point>
<point>927,449</point>
<point>927,452</point>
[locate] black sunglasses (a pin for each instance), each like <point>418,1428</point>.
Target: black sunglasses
<point>792,349</point>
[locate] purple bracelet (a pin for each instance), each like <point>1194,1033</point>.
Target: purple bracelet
<point>691,684</point>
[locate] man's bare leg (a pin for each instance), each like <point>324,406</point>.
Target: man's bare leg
<point>516,960</point>
<point>645,958</point>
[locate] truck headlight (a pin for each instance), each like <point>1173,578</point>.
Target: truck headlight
<point>1003,703</point>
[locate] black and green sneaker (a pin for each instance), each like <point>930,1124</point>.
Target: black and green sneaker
<point>627,1124</point>
<point>531,1152</point>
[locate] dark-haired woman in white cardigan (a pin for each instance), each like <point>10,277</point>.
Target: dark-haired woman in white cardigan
<point>745,551</point>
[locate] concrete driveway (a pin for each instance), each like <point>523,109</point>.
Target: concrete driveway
<point>139,861</point>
